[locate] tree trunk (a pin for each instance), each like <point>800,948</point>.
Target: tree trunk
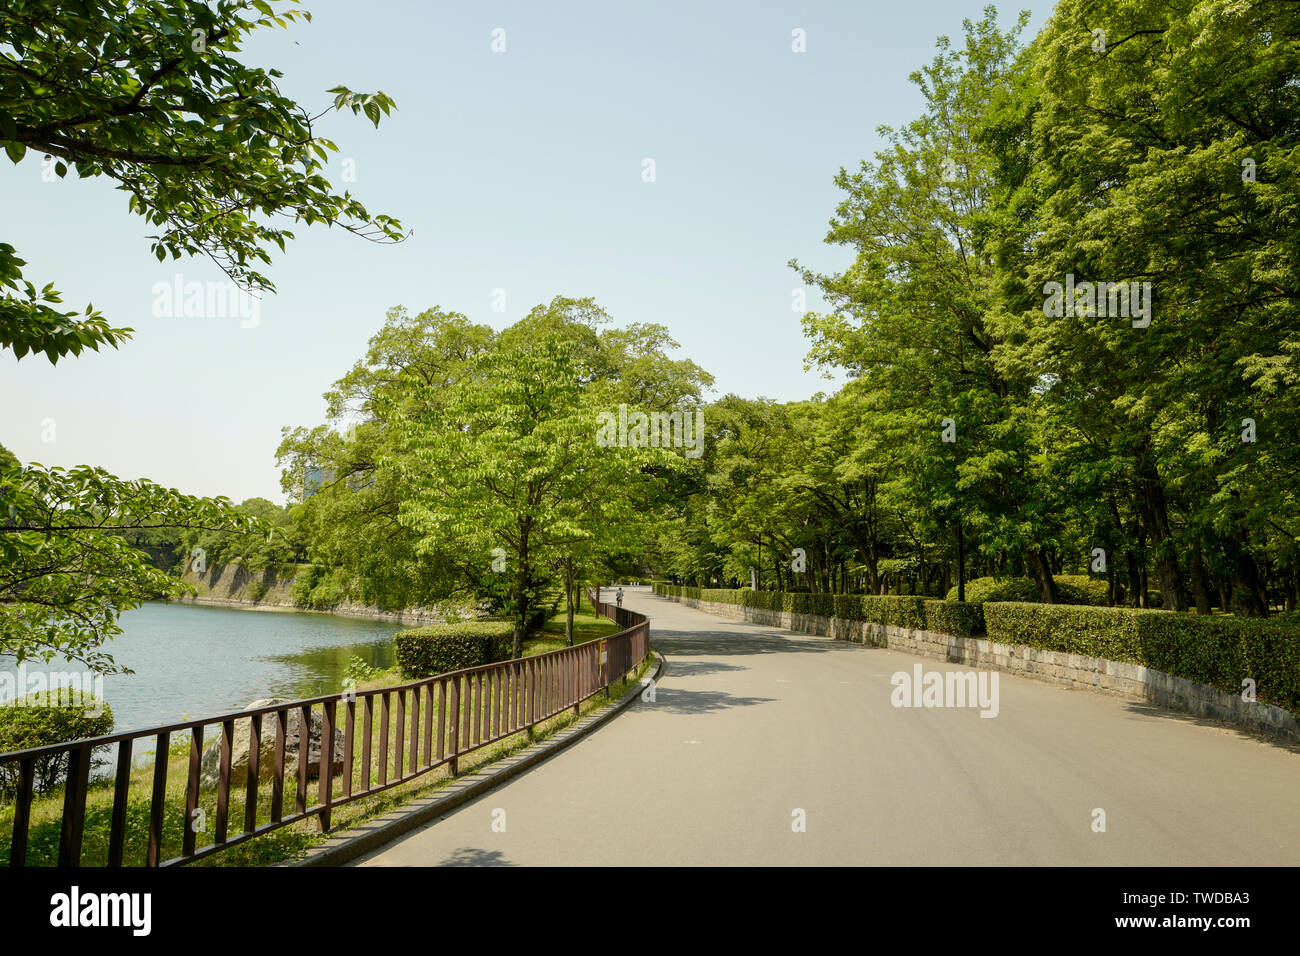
<point>1200,588</point>
<point>1037,561</point>
<point>1155,515</point>
<point>521,601</point>
<point>1134,580</point>
<point>568,600</point>
<point>961,565</point>
<point>1247,588</point>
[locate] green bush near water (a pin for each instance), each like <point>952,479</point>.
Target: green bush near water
<point>438,648</point>
<point>318,589</point>
<point>42,719</point>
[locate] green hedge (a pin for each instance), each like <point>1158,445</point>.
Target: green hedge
<point>46,718</point>
<point>1218,650</point>
<point>439,648</point>
<point>997,589</point>
<point>1082,589</point>
<point>904,610</point>
<point>1071,588</point>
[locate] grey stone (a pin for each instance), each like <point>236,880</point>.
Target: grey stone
<point>210,763</point>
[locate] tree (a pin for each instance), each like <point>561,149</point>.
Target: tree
<point>153,94</point>
<point>915,315</point>
<point>510,468</point>
<point>1181,176</point>
<point>66,571</point>
<point>351,522</point>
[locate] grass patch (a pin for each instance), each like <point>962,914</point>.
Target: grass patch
<point>586,627</point>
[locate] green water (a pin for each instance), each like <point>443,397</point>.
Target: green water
<point>194,661</point>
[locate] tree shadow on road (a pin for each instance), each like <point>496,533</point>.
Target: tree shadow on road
<point>678,701</point>
<point>474,856</point>
<point>729,643</point>
<point>699,668</point>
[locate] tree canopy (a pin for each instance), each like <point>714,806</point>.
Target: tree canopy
<point>154,95</point>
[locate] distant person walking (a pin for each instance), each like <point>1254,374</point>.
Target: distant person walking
<point>618,596</point>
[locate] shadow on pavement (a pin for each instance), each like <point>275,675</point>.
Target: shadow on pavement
<point>678,701</point>
<point>700,668</point>
<point>473,856</point>
<point>1155,710</point>
<point>727,643</point>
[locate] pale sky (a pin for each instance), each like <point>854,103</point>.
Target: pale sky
<point>519,171</point>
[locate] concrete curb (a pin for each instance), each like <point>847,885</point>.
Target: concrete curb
<point>345,847</point>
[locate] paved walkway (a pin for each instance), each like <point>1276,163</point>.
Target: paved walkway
<point>753,722</point>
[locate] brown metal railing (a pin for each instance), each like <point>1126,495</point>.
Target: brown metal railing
<point>422,725</point>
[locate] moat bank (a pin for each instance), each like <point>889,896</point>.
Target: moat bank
<point>233,586</point>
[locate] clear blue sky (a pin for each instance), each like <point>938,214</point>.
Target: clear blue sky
<point>519,171</point>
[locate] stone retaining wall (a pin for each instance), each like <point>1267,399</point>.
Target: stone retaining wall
<point>229,586</point>
<point>1076,671</point>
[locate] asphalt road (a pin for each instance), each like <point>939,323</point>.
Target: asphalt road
<point>753,723</point>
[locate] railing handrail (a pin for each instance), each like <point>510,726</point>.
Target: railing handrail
<point>472,708</point>
<point>52,749</point>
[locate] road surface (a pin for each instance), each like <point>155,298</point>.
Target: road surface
<point>752,724</point>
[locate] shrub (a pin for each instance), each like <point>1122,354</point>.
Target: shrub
<point>304,580</point>
<point>1082,589</point>
<point>1070,588</point>
<point>360,670</point>
<point>257,589</point>
<point>903,610</point>
<point>330,592</point>
<point>438,648</point>
<point>980,590</point>
<point>42,719</point>
<point>1218,650</point>
<point>318,589</point>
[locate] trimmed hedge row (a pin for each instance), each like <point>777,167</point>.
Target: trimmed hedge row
<point>1217,650</point>
<point>961,619</point>
<point>439,648</point>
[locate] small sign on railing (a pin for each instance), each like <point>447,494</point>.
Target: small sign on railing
<point>604,654</point>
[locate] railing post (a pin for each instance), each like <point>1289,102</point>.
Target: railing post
<point>192,791</point>
<point>153,855</point>
<point>254,771</point>
<point>326,775</point>
<point>22,812</point>
<point>121,792</point>
<point>223,781</point>
<point>74,806</point>
<point>453,714</point>
<point>304,751</point>
<point>574,686</point>
<point>349,747</point>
